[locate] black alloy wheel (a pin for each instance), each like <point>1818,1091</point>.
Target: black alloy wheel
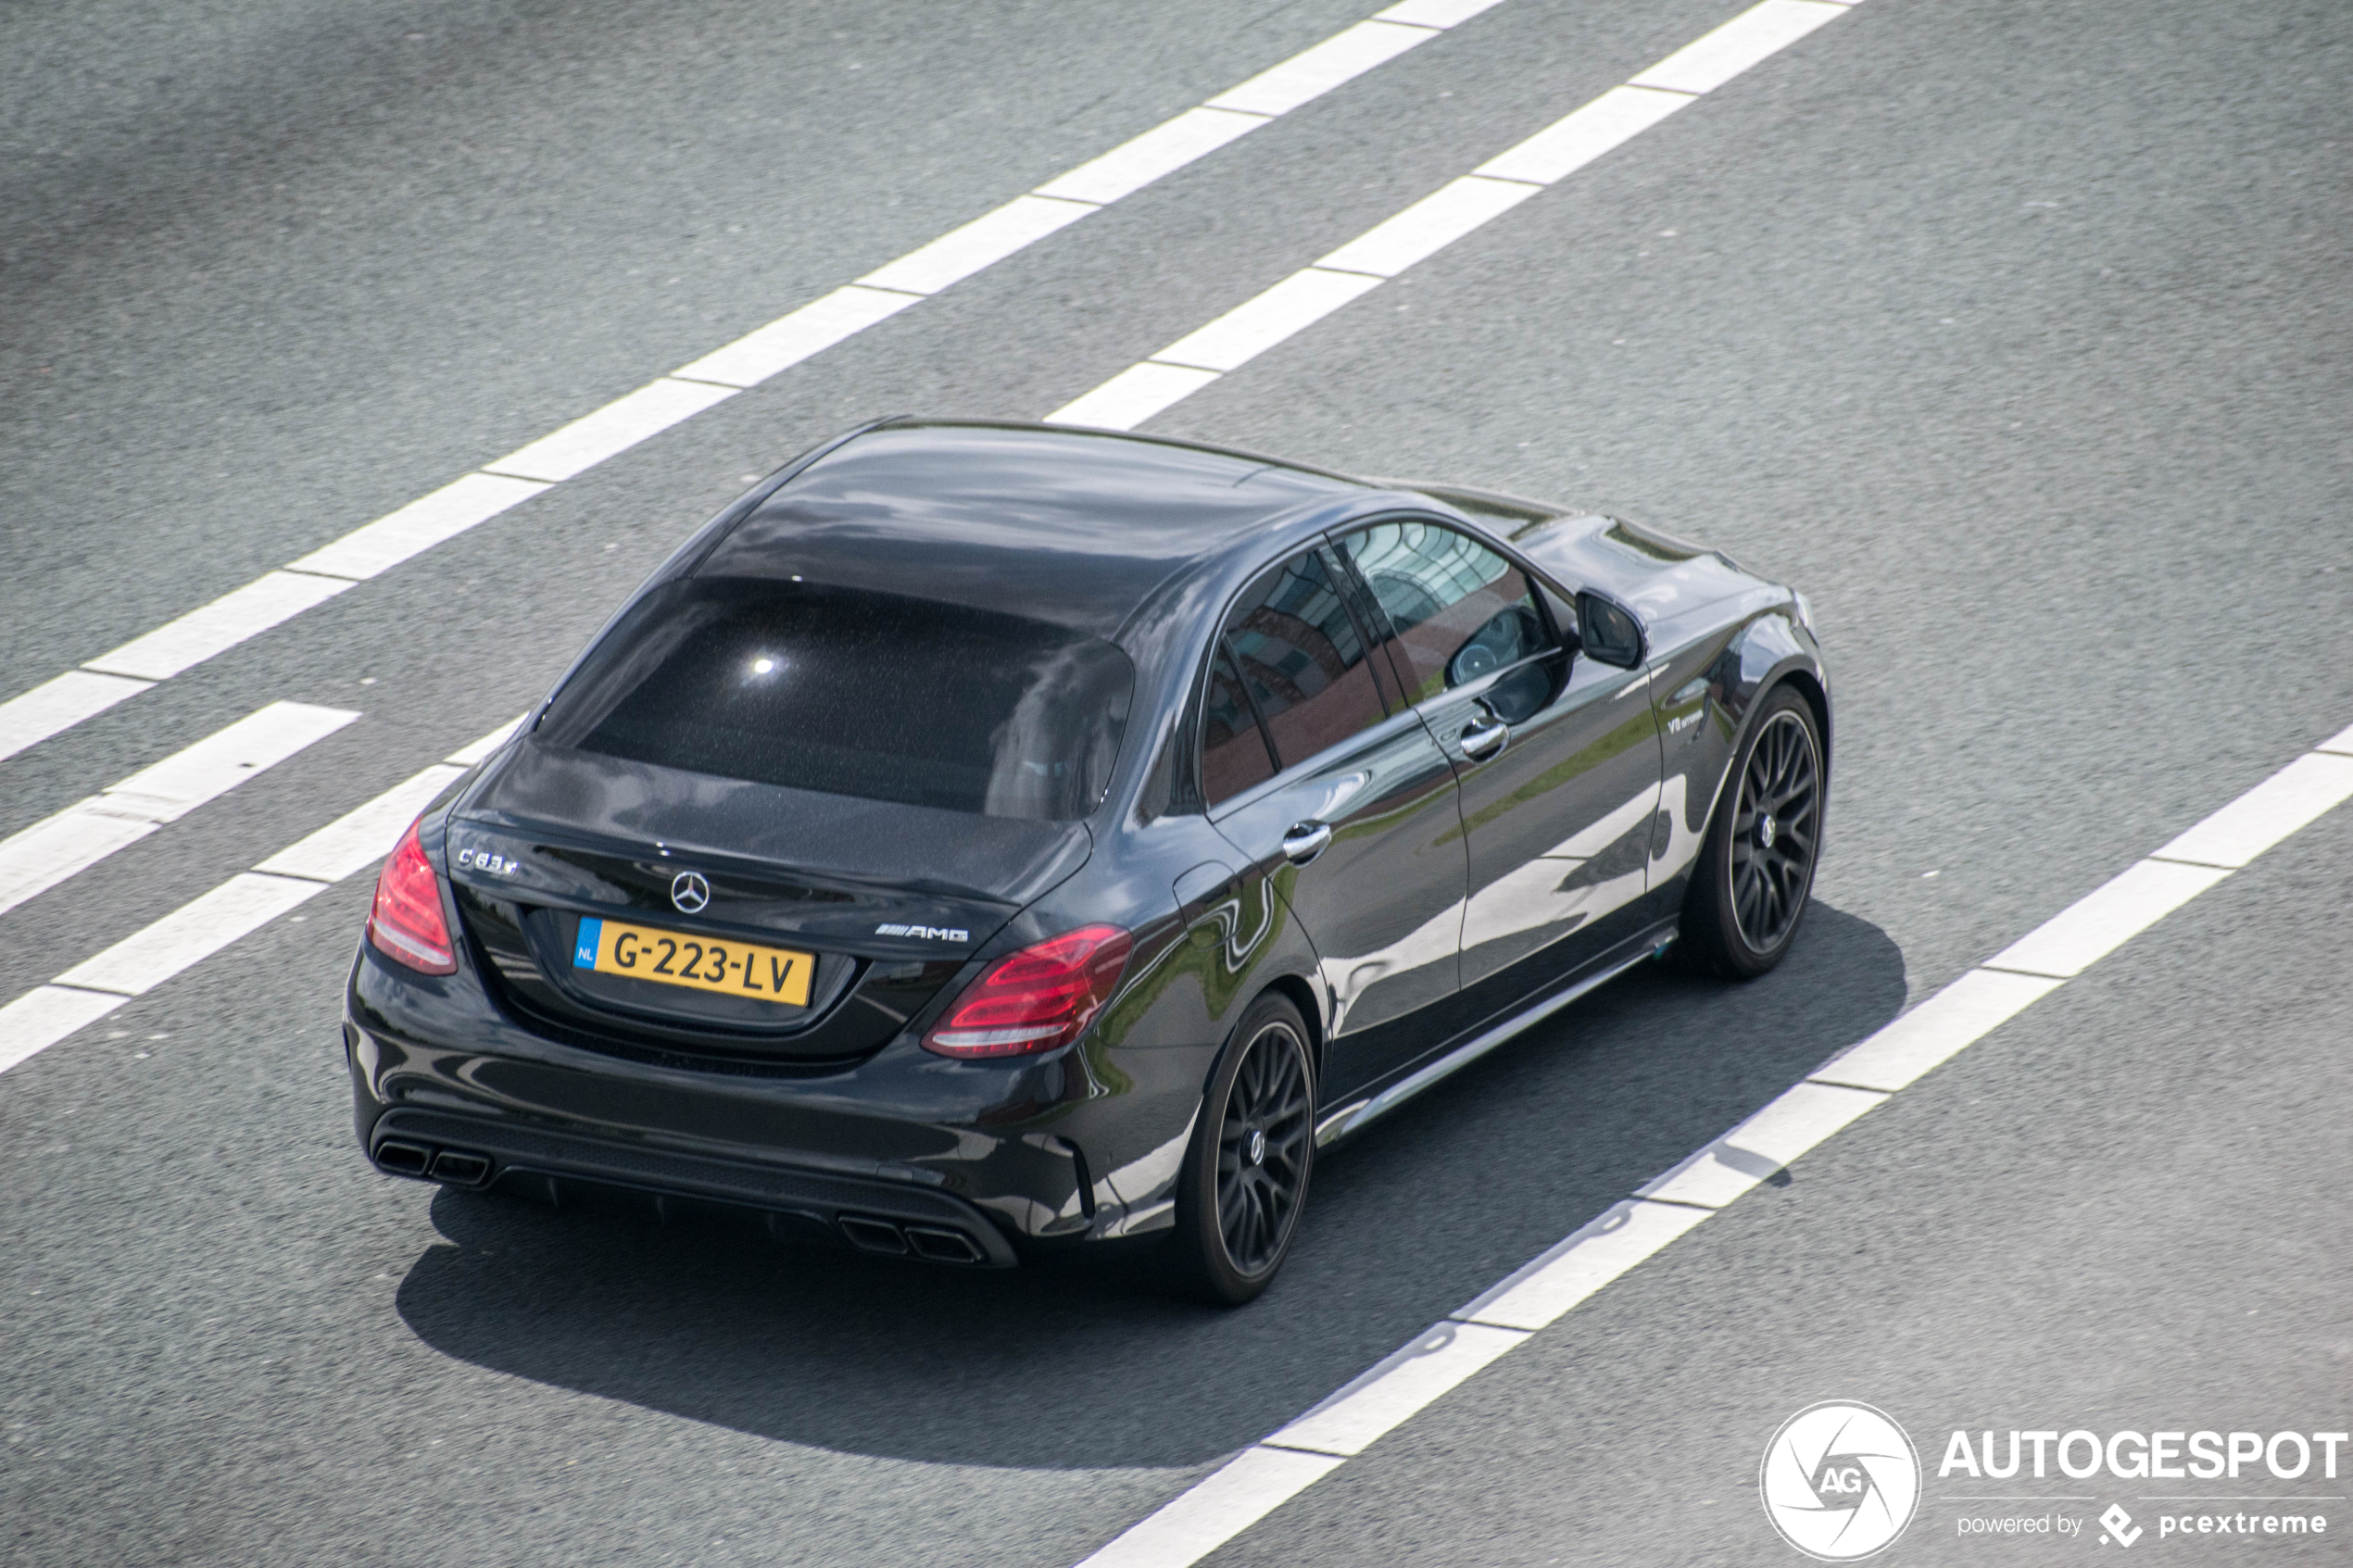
<point>1756,869</point>
<point>1245,1178</point>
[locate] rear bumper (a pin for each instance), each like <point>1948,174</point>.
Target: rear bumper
<point>872,1215</point>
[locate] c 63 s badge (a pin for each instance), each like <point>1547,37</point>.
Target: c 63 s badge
<point>929,933</point>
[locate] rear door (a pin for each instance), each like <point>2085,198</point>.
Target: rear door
<point>1314,770</point>
<point>1557,756</point>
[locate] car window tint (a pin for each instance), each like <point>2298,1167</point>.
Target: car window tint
<point>1299,647</point>
<point>1459,610</point>
<point>854,693</point>
<point>1233,751</point>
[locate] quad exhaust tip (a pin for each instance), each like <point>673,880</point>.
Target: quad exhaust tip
<point>931,1243</point>
<point>455,1167</point>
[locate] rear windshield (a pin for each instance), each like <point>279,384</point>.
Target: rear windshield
<point>854,693</point>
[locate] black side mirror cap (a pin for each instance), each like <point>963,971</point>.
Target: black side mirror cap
<point>1608,634</point>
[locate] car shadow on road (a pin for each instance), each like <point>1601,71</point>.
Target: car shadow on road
<point>1087,1362</point>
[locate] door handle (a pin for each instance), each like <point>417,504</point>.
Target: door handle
<point>1483,738</point>
<point>1305,841</point>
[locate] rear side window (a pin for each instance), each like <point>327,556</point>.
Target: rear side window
<point>854,693</point>
<point>1233,749</point>
<point>1459,609</point>
<point>1305,660</point>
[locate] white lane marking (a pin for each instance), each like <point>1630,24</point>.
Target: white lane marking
<point>1132,396</point>
<point>1569,144</point>
<point>616,427</point>
<point>359,838</point>
<point>2340,743</point>
<point>1428,226</point>
<point>1933,1033</point>
<point>59,704</point>
<point>2105,919</point>
<point>1198,1521</point>
<point>1587,1259</point>
<point>473,752</point>
<point>1216,1509</point>
<point>1793,1122</point>
<point>72,840</point>
<point>1158,152</point>
<point>190,933</point>
<point>1310,74</point>
<point>1446,215</point>
<point>1385,1398</point>
<point>46,1014</point>
<point>2295,795</point>
<point>984,242</point>
<point>787,340</point>
<point>220,625</point>
<point>1708,62</point>
<point>34,716</point>
<point>1252,328</point>
<point>351,842</point>
<point>419,526</point>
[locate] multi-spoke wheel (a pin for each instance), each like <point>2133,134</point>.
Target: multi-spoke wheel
<point>1245,1176</point>
<point>1756,867</point>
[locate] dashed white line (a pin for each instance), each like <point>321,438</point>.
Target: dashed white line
<point>71,842</point>
<point>76,696</point>
<point>2105,919</point>
<point>243,904</point>
<point>1712,60</point>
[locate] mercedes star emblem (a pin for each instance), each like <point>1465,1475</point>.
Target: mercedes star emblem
<point>689,891</point>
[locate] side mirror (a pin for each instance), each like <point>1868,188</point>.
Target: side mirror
<point>1609,634</point>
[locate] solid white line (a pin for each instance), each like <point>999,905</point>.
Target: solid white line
<point>2105,919</point>
<point>72,840</point>
<point>219,626</point>
<point>1214,1510</point>
<point>1588,1259</point>
<point>984,242</point>
<point>59,704</point>
<point>786,341</point>
<point>2289,799</point>
<point>190,933</point>
<point>1428,226</point>
<point>34,716</point>
<point>1156,154</point>
<point>1711,60</point>
<point>1253,327</point>
<point>419,526</point>
<point>616,427</point>
<point>2340,743</point>
<point>1385,1398</point>
<point>1569,144</point>
<point>353,841</point>
<point>1310,74</point>
<point>1793,1121</point>
<point>1933,1033</point>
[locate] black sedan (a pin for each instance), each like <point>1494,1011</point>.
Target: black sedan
<point>982,838</point>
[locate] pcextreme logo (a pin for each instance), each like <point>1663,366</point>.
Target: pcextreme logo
<point>1840,1481</point>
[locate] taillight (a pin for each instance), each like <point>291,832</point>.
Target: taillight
<point>406,926</point>
<point>1035,999</point>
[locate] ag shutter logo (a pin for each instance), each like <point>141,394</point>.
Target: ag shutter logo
<point>1840,1481</point>
<point>2120,1524</point>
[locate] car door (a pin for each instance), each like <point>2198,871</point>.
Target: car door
<point>1347,804</point>
<point>1556,755</point>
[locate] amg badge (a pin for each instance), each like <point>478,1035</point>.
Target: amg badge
<point>933,932</point>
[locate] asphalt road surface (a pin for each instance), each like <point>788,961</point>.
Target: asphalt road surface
<point>2016,336</point>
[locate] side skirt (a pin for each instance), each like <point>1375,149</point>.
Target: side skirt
<point>1354,1116</point>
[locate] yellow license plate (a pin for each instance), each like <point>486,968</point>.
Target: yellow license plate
<point>671,957</point>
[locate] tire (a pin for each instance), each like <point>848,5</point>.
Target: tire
<point>1755,870</point>
<point>1240,1195</point>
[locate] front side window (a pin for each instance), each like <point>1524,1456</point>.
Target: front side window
<point>1309,669</point>
<point>854,693</point>
<point>1459,610</point>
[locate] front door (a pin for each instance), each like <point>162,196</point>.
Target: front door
<point>1348,806</point>
<point>1557,757</point>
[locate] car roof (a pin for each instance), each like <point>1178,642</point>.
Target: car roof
<point>1071,526</point>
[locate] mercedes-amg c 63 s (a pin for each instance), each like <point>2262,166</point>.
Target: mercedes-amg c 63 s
<point>982,838</point>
